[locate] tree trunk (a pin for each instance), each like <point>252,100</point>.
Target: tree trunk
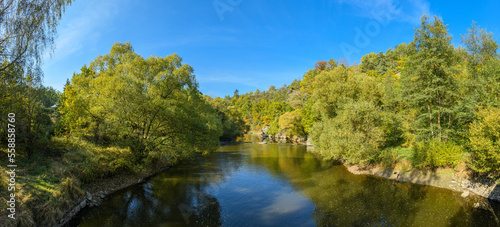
<point>430,118</point>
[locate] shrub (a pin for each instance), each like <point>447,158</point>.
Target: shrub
<point>435,153</point>
<point>91,162</point>
<point>393,155</point>
<point>485,141</point>
<point>70,188</point>
<point>4,180</point>
<point>354,136</point>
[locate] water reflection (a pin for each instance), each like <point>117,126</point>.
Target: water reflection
<point>282,185</point>
<point>284,204</point>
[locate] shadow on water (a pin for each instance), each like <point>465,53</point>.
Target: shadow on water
<point>178,197</point>
<point>340,198</point>
<point>343,199</point>
<point>481,212</point>
<point>378,204</point>
<point>282,185</point>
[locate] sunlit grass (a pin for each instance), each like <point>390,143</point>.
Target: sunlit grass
<point>48,186</point>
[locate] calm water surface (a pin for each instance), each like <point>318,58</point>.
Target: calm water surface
<point>281,185</point>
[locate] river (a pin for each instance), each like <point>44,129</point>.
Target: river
<point>252,184</point>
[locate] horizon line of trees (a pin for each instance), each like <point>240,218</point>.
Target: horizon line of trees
<point>426,101</point>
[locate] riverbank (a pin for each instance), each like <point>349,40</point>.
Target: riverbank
<point>95,193</point>
<point>72,175</point>
<point>456,179</point>
<point>280,138</point>
<point>443,178</point>
<point>447,178</point>
<point>289,186</point>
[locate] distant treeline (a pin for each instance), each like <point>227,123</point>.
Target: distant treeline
<point>426,103</point>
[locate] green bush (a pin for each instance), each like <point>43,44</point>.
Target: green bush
<point>485,141</point>
<point>435,153</point>
<point>4,180</point>
<point>354,136</point>
<point>105,162</point>
<point>91,162</point>
<point>392,155</point>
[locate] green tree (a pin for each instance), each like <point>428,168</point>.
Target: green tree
<point>353,136</point>
<point>232,122</point>
<point>26,98</point>
<point>290,123</point>
<point>349,125</point>
<point>481,48</point>
<point>152,105</point>
<point>429,85</point>
<point>482,83</point>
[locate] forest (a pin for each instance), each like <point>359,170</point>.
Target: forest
<point>425,104</point>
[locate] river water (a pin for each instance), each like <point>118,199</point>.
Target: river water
<point>252,184</point>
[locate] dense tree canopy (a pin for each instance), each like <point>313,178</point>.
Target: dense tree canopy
<point>152,105</point>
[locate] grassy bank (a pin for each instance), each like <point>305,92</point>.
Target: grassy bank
<point>47,187</point>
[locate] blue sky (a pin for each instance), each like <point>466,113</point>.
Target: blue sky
<point>249,44</point>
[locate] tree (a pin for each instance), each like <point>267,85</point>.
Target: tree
<point>152,105</point>
<point>353,136</point>
<point>478,80</point>
<point>368,62</point>
<point>480,85</point>
<point>26,98</point>
<point>428,82</point>
<point>480,46</point>
<point>50,96</point>
<point>35,122</point>
<point>349,123</point>
<point>336,87</point>
<point>332,64</point>
<point>27,28</point>
<point>290,124</point>
<point>231,120</point>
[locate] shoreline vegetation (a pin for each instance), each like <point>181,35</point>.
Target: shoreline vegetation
<point>458,179</point>
<point>54,189</point>
<point>121,116</point>
<point>423,107</point>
